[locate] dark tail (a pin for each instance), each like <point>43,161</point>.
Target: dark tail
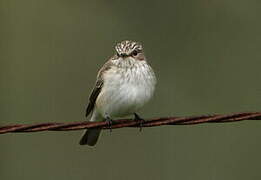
<point>90,137</point>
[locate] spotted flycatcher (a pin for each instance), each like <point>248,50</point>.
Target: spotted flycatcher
<point>124,84</point>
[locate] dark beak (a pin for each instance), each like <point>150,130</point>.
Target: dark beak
<point>124,55</point>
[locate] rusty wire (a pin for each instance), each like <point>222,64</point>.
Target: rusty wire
<point>130,123</point>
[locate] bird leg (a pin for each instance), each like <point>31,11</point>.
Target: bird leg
<point>108,121</point>
<point>139,119</point>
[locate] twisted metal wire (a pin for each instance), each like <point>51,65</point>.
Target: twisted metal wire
<point>130,123</point>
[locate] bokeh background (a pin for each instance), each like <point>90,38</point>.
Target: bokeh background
<point>206,55</point>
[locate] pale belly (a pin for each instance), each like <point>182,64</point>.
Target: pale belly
<point>120,97</point>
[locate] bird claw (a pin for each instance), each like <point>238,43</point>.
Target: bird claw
<point>109,122</point>
<point>139,119</point>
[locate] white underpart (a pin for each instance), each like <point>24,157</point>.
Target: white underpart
<point>125,89</point>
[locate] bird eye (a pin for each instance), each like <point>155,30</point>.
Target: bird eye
<point>117,54</point>
<point>135,53</point>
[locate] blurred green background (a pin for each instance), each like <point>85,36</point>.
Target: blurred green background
<point>206,55</point>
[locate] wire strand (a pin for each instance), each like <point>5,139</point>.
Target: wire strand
<point>235,117</point>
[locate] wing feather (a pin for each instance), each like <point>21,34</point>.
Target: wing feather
<point>92,99</point>
<point>98,87</point>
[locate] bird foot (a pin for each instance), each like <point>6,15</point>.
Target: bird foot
<point>139,119</point>
<point>109,122</point>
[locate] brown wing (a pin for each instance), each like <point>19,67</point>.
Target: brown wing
<point>95,92</point>
<point>98,87</point>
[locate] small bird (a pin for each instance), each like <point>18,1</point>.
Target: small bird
<point>124,84</point>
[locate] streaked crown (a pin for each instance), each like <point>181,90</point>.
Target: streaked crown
<point>127,48</point>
